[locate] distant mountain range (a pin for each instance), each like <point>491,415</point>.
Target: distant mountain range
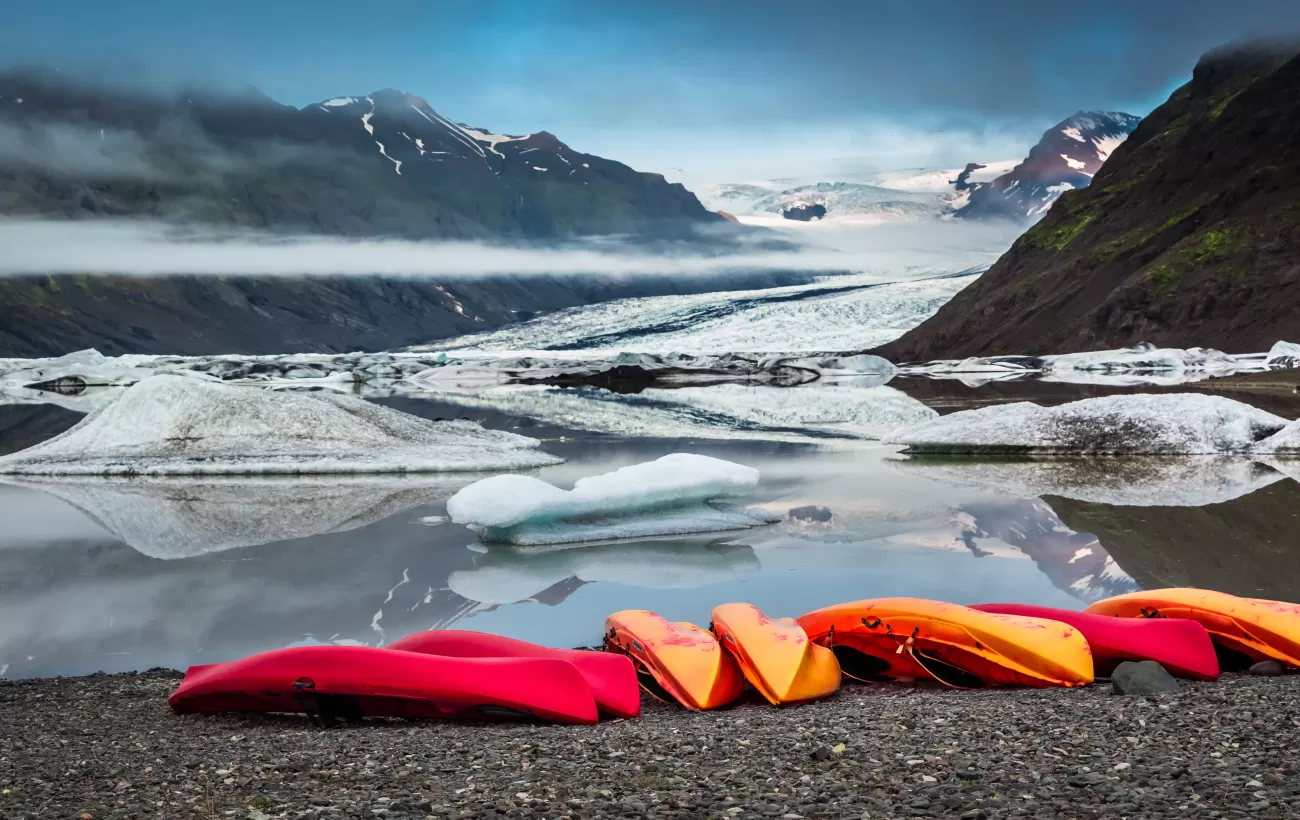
<point>1066,158</point>
<point>382,165</point>
<point>1189,235</point>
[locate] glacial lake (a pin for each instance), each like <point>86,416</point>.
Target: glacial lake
<point>118,575</point>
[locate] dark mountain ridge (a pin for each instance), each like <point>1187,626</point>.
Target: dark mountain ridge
<point>382,165</point>
<point>1188,235</point>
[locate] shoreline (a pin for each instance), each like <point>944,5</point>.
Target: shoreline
<point>109,746</point>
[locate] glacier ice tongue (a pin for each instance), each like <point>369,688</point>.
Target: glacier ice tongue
<point>173,425</point>
<point>668,496</point>
<point>1139,424</point>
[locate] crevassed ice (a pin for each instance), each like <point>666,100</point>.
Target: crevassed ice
<point>663,497</point>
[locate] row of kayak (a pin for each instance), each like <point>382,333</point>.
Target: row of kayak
<point>456,674</point>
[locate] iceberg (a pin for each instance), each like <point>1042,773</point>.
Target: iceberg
<point>179,517</point>
<point>507,575</point>
<point>669,496</point>
<point>1139,424</point>
<point>1124,482</point>
<point>1284,443</point>
<point>171,425</point>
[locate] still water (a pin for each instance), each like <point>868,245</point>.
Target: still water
<point>131,574</point>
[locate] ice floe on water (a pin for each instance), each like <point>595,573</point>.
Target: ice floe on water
<point>1126,482</point>
<point>506,575</point>
<point>1143,364</point>
<point>822,413</point>
<point>179,517</point>
<point>169,425</point>
<point>1140,424</point>
<point>674,495</point>
<point>1283,443</point>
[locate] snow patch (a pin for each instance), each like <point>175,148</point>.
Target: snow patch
<point>337,101</point>
<point>1074,163</point>
<point>493,140</point>
<point>1073,133</point>
<point>663,497</point>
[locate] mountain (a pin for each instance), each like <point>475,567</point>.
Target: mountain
<point>1067,157</point>
<point>383,165</point>
<point>1187,236</point>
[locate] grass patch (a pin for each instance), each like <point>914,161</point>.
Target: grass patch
<point>1040,236</point>
<point>1199,250</point>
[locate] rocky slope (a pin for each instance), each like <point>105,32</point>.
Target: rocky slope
<point>1066,158</point>
<point>382,165</point>
<point>1188,235</point>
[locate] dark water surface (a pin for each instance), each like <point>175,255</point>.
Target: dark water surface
<point>118,575</point>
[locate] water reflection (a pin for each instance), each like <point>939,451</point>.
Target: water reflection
<point>128,574</point>
<point>504,575</point>
<point>178,517</point>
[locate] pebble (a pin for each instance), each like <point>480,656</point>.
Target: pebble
<point>1217,750</point>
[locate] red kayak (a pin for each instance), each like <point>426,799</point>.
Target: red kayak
<point>612,677</point>
<point>1182,647</point>
<point>352,682</point>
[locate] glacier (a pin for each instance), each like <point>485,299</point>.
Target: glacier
<point>172,425</point>
<point>1138,424</point>
<point>668,496</point>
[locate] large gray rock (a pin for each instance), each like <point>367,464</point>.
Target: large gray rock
<point>1142,678</point>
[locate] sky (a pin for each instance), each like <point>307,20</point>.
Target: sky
<point>719,90</point>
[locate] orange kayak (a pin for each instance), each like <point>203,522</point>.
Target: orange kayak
<point>675,661</point>
<point>775,655</point>
<point>1259,629</point>
<point>884,639</point>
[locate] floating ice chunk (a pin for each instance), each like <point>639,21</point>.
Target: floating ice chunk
<point>505,575</point>
<point>177,517</point>
<point>168,425</point>
<point>1142,357</point>
<point>1126,482</point>
<point>664,497</point>
<point>1285,442</point>
<point>1283,354</point>
<point>1169,424</point>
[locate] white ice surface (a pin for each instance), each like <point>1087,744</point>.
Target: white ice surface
<point>1127,482</point>
<point>663,497</point>
<point>178,517</point>
<point>1285,443</point>
<point>169,425</point>
<point>842,313</point>
<point>1140,424</point>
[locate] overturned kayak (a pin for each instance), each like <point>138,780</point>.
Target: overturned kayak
<point>1181,646</point>
<point>884,639</point>
<point>611,676</point>
<point>352,682</point>
<point>775,655</point>
<point>1251,627</point>
<point>675,661</point>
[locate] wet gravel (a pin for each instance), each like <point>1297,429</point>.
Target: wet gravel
<point>108,746</point>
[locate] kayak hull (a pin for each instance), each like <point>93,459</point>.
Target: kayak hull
<point>681,661</point>
<point>915,638</point>
<point>775,655</point>
<point>360,681</point>
<point>1182,647</point>
<point>1259,629</point>
<point>612,677</point>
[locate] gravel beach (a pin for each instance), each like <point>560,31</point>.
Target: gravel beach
<point>108,746</point>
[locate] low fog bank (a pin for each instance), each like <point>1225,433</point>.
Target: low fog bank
<point>142,248</point>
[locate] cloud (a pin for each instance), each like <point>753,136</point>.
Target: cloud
<point>149,249</point>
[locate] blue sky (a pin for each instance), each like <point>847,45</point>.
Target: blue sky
<point>720,88</point>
